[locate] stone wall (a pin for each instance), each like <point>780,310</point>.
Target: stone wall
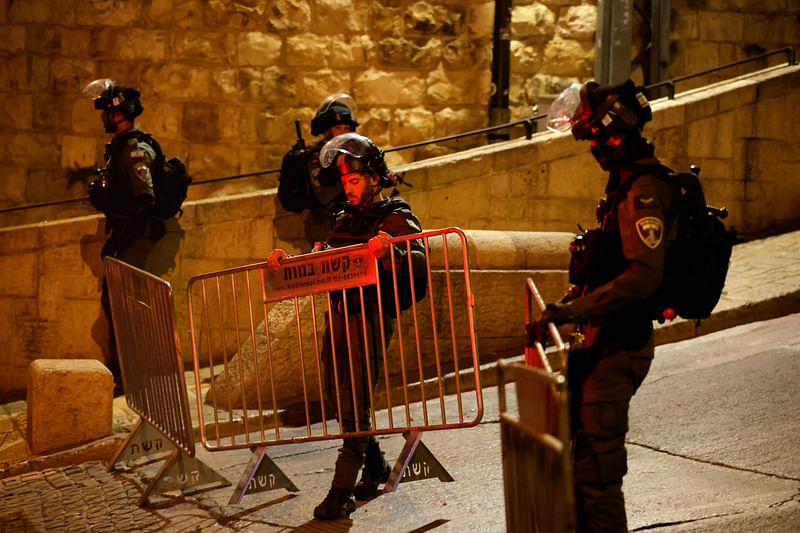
<point>50,288</point>
<point>224,81</point>
<point>708,33</point>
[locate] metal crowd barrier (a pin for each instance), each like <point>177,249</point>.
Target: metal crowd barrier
<point>535,355</point>
<point>263,331</point>
<point>537,466</point>
<point>143,317</point>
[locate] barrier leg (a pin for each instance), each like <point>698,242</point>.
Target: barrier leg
<point>143,441</point>
<point>415,462</point>
<point>261,474</point>
<point>181,472</point>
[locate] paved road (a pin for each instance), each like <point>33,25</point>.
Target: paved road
<point>715,433</point>
<point>713,446</point>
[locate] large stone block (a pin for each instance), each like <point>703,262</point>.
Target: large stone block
<point>69,402</point>
<point>235,15</point>
<point>534,20</point>
<point>78,151</point>
<point>428,18</point>
<point>351,52</point>
<point>12,39</point>
<point>412,125</point>
<point>312,89</point>
<point>479,19</point>
<point>288,15</point>
<point>381,87</point>
<point>338,16</point>
<point>451,87</point>
<point>259,49</point>
<point>720,27</point>
<point>568,57</point>
<point>579,22</point>
<point>417,53</point>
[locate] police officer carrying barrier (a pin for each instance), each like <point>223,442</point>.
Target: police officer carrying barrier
<point>369,217</point>
<point>304,184</point>
<point>614,270</point>
<point>123,190</point>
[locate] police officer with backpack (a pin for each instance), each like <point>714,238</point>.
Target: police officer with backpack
<point>368,216</point>
<point>303,183</point>
<point>615,269</point>
<point>123,190</point>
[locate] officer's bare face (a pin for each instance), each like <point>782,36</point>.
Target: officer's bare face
<point>111,119</point>
<point>359,188</point>
<point>336,130</point>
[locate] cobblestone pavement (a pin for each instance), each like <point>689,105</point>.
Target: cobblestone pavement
<point>81,497</point>
<point>85,497</point>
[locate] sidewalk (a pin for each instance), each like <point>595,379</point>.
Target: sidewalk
<point>763,283</point>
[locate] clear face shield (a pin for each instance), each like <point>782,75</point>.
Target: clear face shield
<point>568,109</point>
<point>96,88</point>
<point>342,98</point>
<point>351,144</point>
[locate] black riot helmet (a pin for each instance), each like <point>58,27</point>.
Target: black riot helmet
<point>335,109</point>
<point>592,111</point>
<point>108,95</point>
<point>351,152</point>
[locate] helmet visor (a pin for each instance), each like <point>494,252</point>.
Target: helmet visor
<point>567,109</point>
<point>96,88</point>
<point>351,144</point>
<point>342,98</point>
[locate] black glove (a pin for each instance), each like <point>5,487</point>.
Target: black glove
<point>557,313</point>
<point>538,330</point>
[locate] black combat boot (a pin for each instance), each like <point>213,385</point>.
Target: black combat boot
<point>376,471</point>
<point>337,504</point>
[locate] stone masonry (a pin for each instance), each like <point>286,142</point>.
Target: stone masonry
<point>223,82</point>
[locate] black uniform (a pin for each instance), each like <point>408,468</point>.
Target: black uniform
<point>626,266</point>
<point>304,184</point>
<point>126,198</point>
<point>354,226</point>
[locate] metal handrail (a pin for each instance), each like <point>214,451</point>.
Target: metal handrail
<point>528,122</point>
<point>670,84</point>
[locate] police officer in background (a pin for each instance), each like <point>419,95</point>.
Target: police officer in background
<point>304,184</point>
<point>124,189</point>
<point>615,269</point>
<point>368,217</point>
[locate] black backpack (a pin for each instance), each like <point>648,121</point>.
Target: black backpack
<point>697,260</point>
<point>170,180</point>
<point>294,185</point>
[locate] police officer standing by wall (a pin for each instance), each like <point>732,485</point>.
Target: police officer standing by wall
<point>304,184</point>
<point>369,217</point>
<point>615,269</point>
<point>124,189</point>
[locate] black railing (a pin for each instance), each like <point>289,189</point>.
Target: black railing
<point>528,123</point>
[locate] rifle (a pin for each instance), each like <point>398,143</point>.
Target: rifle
<point>300,145</point>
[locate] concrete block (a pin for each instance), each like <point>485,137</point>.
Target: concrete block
<point>69,402</point>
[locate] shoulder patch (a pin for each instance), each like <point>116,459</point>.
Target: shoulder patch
<point>650,231</point>
<point>141,171</point>
<point>645,201</point>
